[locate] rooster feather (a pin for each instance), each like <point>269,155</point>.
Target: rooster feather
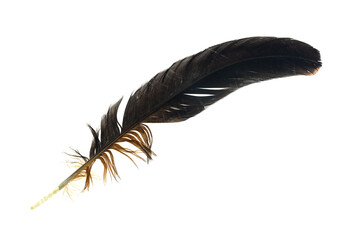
<point>184,90</point>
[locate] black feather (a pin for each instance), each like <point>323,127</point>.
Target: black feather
<point>187,88</point>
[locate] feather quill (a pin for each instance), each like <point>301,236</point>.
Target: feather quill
<point>184,90</point>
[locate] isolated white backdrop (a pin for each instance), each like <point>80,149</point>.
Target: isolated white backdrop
<point>275,160</point>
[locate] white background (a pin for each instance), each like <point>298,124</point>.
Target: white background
<point>274,160</point>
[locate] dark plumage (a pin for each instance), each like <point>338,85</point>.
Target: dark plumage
<point>185,89</point>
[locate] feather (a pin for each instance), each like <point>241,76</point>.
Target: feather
<point>184,90</point>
